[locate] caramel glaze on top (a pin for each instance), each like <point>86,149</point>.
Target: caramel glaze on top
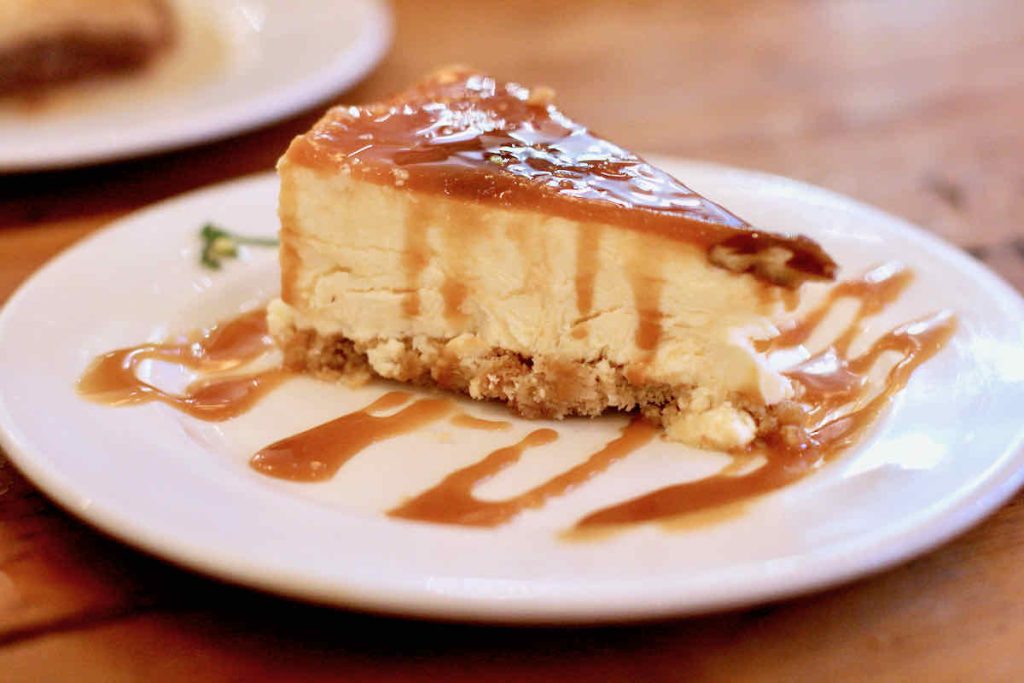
<point>464,135</point>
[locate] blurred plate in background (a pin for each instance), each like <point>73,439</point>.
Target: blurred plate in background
<point>236,64</point>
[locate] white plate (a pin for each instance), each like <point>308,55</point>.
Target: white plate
<point>237,64</point>
<point>946,454</point>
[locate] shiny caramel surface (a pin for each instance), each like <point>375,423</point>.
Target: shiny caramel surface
<point>466,135</point>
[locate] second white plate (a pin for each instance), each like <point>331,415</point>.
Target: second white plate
<point>945,454</point>
<point>236,64</point>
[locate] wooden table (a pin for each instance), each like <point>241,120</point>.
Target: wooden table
<point>916,106</point>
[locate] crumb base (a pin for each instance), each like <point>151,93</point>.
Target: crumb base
<point>537,387</point>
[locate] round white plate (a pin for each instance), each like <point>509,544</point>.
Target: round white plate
<point>946,453</point>
<point>237,64</point>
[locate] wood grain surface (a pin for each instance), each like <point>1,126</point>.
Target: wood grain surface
<point>916,106</point>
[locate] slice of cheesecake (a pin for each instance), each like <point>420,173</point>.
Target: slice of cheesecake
<point>467,234</point>
<point>43,42</point>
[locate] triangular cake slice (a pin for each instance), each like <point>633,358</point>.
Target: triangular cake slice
<point>467,234</point>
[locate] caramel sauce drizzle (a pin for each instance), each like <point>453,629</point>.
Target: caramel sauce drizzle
<point>646,287</point>
<point>453,293</point>
<point>452,500</point>
<point>414,256</point>
<point>587,263</point>
<point>455,287</point>
<point>831,382</point>
<point>647,293</point>
<point>113,378</point>
<point>288,255</point>
<point>467,421</point>
<point>874,291</point>
<point>318,453</point>
<point>838,405</point>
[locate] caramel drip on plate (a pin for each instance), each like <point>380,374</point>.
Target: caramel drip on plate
<point>695,496</point>
<point>316,454</point>
<point>831,381</point>
<point>453,292</point>
<point>414,256</point>
<point>469,422</point>
<point>536,267</point>
<point>875,290</point>
<point>113,378</point>
<point>837,400</point>
<point>452,500</point>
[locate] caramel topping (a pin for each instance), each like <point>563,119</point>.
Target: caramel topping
<point>463,134</point>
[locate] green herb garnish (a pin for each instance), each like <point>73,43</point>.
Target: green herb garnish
<point>219,244</point>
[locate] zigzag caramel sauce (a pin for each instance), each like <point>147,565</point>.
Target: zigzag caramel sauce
<point>834,392</point>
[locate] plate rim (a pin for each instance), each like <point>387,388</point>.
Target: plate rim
<point>347,68</point>
<point>907,540</point>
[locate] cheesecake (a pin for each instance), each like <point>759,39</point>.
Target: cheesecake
<point>46,42</point>
<point>466,234</point>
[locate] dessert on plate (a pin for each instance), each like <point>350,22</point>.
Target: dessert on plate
<point>467,234</point>
<point>44,42</point>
